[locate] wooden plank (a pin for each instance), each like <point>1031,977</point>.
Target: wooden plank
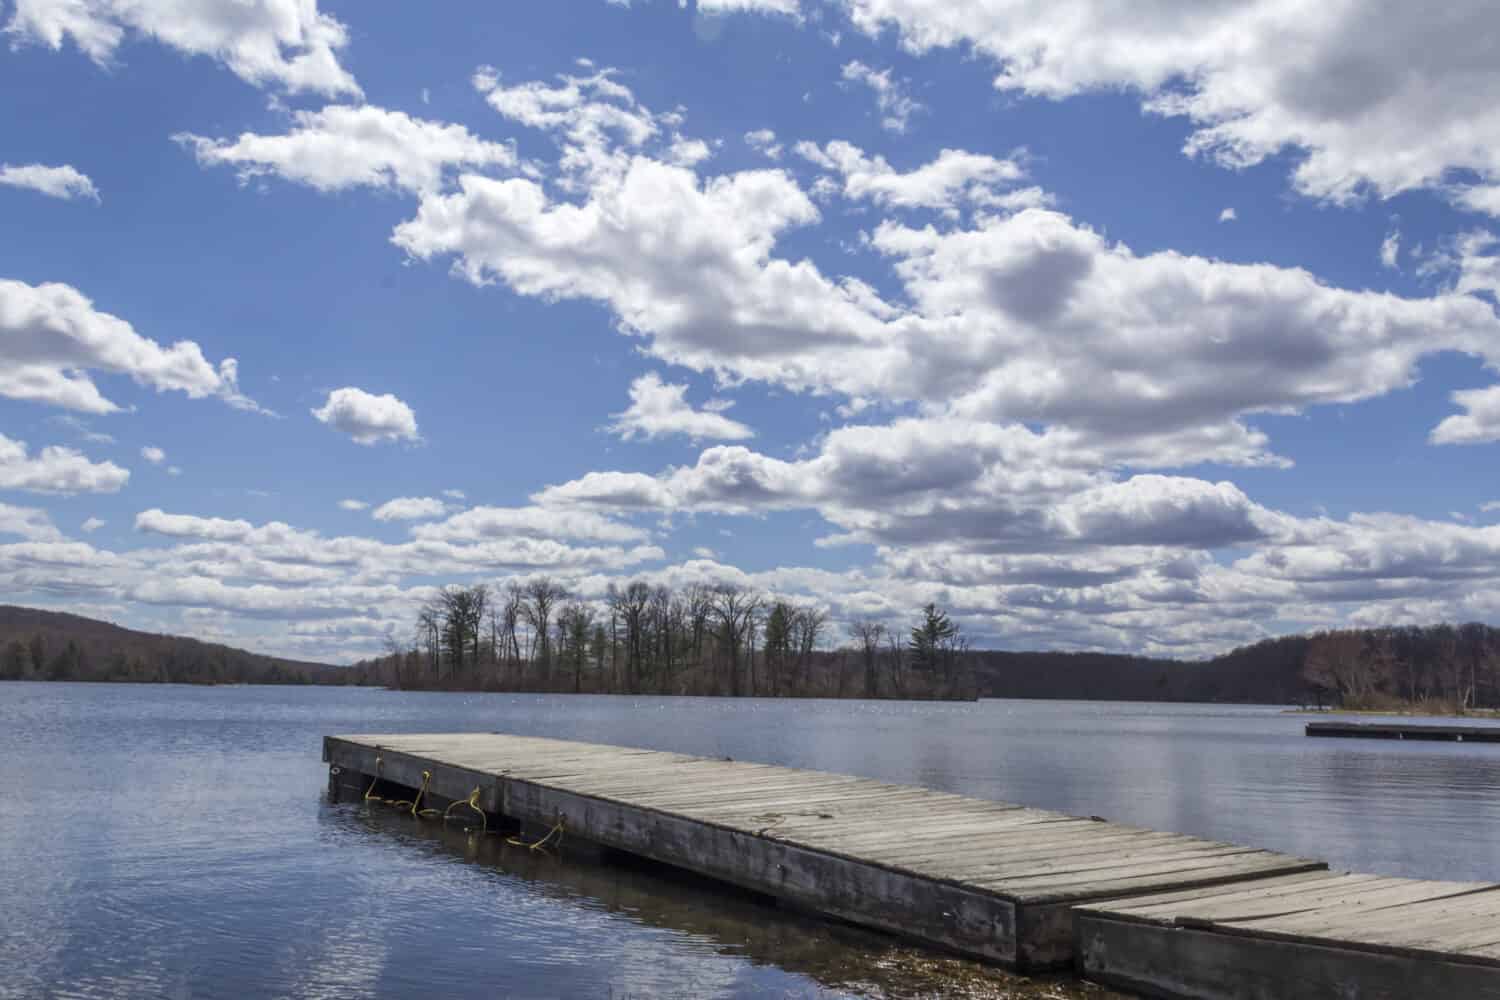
<point>1172,962</point>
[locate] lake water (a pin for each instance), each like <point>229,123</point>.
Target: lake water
<point>163,841</point>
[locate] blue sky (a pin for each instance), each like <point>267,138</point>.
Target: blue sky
<point>1121,333</point>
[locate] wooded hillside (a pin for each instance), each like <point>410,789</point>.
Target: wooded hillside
<point>53,646</point>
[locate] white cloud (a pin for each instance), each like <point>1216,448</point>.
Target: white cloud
<point>342,146</point>
<point>92,525</point>
<point>924,482</point>
<point>1390,249</point>
<point>153,454</point>
<point>953,178</point>
<point>1375,96</point>
<point>283,43</point>
<point>1490,506</point>
<point>455,494</point>
<point>353,504</point>
<point>51,337</point>
<point>174,470</point>
<point>218,529</point>
<point>658,408</point>
<point>367,418</point>
<point>1480,424</point>
<point>63,182</point>
<point>891,97</point>
<point>56,469</point>
<point>1159,344</point>
<point>704,552</point>
<point>784,8</point>
<point>763,140</point>
<point>30,523</point>
<point>410,509</point>
<point>1228,215</point>
<point>480,524</point>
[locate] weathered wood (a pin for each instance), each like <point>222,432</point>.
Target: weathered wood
<point>1348,936</point>
<point>985,878</point>
<point>1175,962</point>
<point>1405,731</point>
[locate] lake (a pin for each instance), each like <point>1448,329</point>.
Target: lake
<point>165,841</point>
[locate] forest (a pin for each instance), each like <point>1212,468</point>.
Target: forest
<point>644,639</point>
<point>728,641</point>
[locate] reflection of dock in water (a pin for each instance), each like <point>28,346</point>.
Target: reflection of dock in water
<point>837,956</point>
<point>1168,914</point>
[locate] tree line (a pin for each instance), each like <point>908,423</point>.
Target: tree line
<point>652,639</point>
<point>1446,668</point>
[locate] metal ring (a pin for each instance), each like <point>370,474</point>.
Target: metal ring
<point>335,770</point>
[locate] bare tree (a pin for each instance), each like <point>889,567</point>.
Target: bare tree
<point>735,611</point>
<point>1336,661</point>
<point>807,628</point>
<point>542,596</point>
<point>868,633</point>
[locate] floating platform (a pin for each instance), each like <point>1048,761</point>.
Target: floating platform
<point>1403,731</point>
<point>982,878</point>
<point>1300,937</point>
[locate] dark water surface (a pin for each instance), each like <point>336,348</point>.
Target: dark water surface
<point>163,841</point>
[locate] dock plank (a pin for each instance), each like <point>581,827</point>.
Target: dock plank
<point>1316,935</point>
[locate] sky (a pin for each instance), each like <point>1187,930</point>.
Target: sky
<point>1159,330</point>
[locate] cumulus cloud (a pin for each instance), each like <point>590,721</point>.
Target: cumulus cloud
<point>479,524</point>
<point>52,337</point>
<point>92,525</point>
<point>30,523</point>
<point>1228,215</point>
<point>64,182</point>
<point>919,482</point>
<point>218,529</point>
<point>1377,97</point>
<point>410,509</point>
<point>658,409</point>
<point>56,469</point>
<point>455,494</point>
<point>287,44</point>
<point>956,177</point>
<point>353,504</point>
<point>1390,249</point>
<point>367,418</point>
<point>784,8</point>
<point>763,140</point>
<point>1479,424</point>
<point>153,454</point>
<point>343,146</point>
<point>891,94</point>
<point>1165,341</point>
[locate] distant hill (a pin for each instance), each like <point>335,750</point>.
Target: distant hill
<point>51,645</point>
<point>1269,672</point>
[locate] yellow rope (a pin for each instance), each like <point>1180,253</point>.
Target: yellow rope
<point>413,806</point>
<point>415,803</point>
<point>473,803</point>
<point>370,792</point>
<point>556,831</point>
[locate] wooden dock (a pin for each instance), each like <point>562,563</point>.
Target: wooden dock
<point>1157,913</point>
<point>1300,937</point>
<point>1404,731</point>
<point>983,878</point>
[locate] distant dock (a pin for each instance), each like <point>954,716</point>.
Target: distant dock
<point>1026,888</point>
<point>1404,731</point>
